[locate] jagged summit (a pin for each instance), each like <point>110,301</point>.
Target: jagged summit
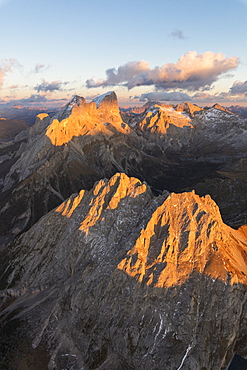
<point>79,118</point>
<point>188,108</point>
<point>186,235</point>
<point>158,119</point>
<point>65,111</point>
<point>108,97</point>
<point>220,107</point>
<point>218,115</point>
<point>107,100</point>
<point>156,270</point>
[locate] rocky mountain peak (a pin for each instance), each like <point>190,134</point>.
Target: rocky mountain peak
<point>121,279</point>
<point>106,195</point>
<point>79,118</point>
<point>220,107</point>
<point>158,119</point>
<point>188,108</point>
<point>65,111</point>
<point>108,99</point>
<point>186,235</point>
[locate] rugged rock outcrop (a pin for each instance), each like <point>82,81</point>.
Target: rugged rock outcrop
<point>188,108</point>
<point>121,279</point>
<point>218,106</point>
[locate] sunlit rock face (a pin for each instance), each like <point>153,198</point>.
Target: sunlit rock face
<point>186,234</point>
<point>101,116</point>
<point>116,278</point>
<point>188,108</point>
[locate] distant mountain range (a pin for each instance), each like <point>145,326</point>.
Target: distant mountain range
<point>238,109</point>
<point>26,114</point>
<point>29,114</point>
<point>9,128</point>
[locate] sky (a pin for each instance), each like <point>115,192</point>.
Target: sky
<point>170,51</point>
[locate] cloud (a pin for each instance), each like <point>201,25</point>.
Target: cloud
<point>6,66</point>
<point>202,96</point>
<point>238,87</point>
<point>177,35</point>
<point>222,97</point>
<point>165,96</point>
<point>191,72</point>
<point>39,67</point>
<point>124,73</point>
<point>49,86</point>
<point>13,87</point>
<point>33,100</point>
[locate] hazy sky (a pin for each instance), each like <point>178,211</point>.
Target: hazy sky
<point>176,50</point>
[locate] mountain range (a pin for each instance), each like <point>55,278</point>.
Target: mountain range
<point>123,240</point>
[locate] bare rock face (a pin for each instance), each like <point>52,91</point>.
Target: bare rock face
<point>188,108</point>
<point>218,106</point>
<point>121,279</point>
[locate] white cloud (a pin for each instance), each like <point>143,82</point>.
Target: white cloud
<point>6,66</point>
<point>124,73</point>
<point>39,67</point>
<point>238,87</point>
<point>191,72</point>
<point>165,96</point>
<point>48,86</point>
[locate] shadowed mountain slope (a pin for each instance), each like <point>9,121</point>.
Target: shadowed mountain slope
<point>9,128</point>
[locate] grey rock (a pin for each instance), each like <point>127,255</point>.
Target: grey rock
<point>116,278</point>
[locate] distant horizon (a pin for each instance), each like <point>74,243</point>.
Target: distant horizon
<point>121,103</point>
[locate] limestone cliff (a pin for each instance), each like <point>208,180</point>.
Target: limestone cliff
<point>116,278</point>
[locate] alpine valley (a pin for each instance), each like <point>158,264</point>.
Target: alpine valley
<point>124,238</point>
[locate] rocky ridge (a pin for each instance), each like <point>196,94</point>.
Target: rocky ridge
<point>100,297</point>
